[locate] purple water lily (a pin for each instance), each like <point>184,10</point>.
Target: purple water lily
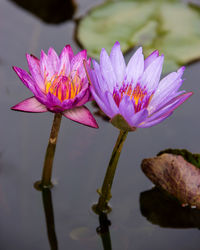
<point>59,85</point>
<point>133,95</point>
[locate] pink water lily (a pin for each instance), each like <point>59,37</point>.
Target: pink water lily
<point>59,85</point>
<point>133,95</point>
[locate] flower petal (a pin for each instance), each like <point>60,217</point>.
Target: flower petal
<point>81,115</point>
<point>82,98</point>
<point>150,58</point>
<point>135,67</point>
<point>139,117</point>
<point>34,68</point>
<point>156,121</point>
<point>29,83</point>
<point>151,75</point>
<point>25,78</point>
<point>100,85</point>
<point>49,63</point>
<point>53,59</point>
<point>118,63</point>
<point>30,105</point>
<point>77,64</point>
<point>166,90</point>
<point>107,71</point>
<point>53,103</point>
<point>169,107</point>
<point>126,109</point>
<point>169,82</point>
<point>65,60</point>
<point>47,69</point>
<point>128,112</point>
<point>102,103</point>
<point>167,102</point>
<point>111,104</point>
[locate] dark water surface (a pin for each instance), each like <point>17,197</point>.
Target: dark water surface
<point>81,159</point>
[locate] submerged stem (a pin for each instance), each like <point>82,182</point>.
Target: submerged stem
<point>103,231</point>
<point>49,216</point>
<point>105,191</point>
<point>50,151</point>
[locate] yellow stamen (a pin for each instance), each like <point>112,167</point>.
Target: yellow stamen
<point>73,91</point>
<point>59,83</point>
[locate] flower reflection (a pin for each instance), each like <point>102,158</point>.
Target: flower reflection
<point>59,85</point>
<point>133,95</point>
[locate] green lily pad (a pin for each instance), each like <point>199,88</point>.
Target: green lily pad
<point>170,26</point>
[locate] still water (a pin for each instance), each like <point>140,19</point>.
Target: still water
<point>140,219</point>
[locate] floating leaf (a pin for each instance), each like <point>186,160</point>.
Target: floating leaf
<point>170,26</point>
<point>188,156</point>
<point>175,175</point>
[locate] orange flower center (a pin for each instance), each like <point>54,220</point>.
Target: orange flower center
<point>139,95</point>
<point>64,87</point>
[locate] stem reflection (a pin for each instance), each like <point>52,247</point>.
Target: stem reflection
<point>49,216</point>
<point>103,231</point>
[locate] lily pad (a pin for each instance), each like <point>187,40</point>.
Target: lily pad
<point>170,26</point>
<point>175,175</point>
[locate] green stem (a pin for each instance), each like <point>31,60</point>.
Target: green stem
<point>50,151</point>
<point>105,192</point>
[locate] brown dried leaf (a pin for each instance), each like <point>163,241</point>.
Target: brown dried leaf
<point>175,175</point>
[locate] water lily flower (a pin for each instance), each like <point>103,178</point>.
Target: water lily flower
<point>59,85</point>
<point>133,95</point>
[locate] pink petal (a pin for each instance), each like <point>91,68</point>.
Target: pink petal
<point>29,82</point>
<point>65,59</point>
<point>47,66</point>
<point>77,60</point>
<point>54,59</point>
<point>30,105</point>
<point>34,68</point>
<point>24,77</point>
<point>81,115</point>
<point>83,98</point>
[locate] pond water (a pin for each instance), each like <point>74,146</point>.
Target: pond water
<point>140,219</point>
